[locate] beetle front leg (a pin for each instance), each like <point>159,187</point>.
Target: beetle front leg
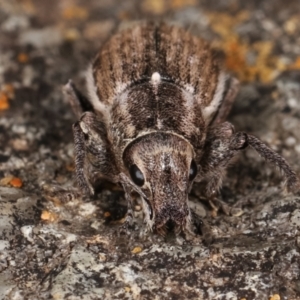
<point>220,147</point>
<point>77,101</point>
<point>223,144</point>
<point>129,188</point>
<point>80,161</point>
<point>93,154</point>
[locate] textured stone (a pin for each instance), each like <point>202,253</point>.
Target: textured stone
<point>68,248</point>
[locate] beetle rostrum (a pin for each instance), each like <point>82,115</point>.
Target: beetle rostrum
<point>155,122</point>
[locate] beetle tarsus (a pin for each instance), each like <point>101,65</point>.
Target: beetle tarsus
<point>55,192</point>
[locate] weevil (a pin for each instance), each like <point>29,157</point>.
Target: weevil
<point>155,123</point>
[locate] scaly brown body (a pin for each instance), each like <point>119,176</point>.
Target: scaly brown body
<point>154,121</point>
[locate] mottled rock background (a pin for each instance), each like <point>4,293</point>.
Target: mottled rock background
<point>62,248</point>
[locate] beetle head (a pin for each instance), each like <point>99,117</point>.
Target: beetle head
<point>161,168</point>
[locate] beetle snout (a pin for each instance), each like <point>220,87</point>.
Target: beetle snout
<point>171,218</point>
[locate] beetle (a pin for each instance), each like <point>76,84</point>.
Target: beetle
<point>155,122</point>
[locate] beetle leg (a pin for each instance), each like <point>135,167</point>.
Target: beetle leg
<point>55,192</point>
<point>80,161</point>
<point>78,102</point>
<point>216,156</point>
<point>93,154</point>
<point>129,188</point>
<point>223,144</point>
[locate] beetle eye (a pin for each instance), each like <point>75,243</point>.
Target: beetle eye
<point>193,170</point>
<point>136,175</point>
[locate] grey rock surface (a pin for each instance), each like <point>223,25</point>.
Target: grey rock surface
<point>68,248</point>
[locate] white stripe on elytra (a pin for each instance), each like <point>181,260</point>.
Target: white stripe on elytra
<point>93,97</point>
<point>208,112</point>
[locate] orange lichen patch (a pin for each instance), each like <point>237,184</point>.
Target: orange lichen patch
<point>12,181</point>
<point>16,182</point>
<point>48,216</point>
<point>275,297</point>
<point>235,49</point>
<point>177,4</point>
<point>247,61</point>
<point>22,58</point>
<point>75,12</point>
<point>6,94</point>
<point>156,7</point>
<point>127,289</point>
<point>159,7</point>
<point>295,65</point>
<point>136,250</point>
<point>71,34</point>
<point>223,23</point>
<point>235,56</point>
<point>4,104</point>
<point>107,214</point>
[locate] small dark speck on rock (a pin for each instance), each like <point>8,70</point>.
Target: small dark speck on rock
<point>3,158</point>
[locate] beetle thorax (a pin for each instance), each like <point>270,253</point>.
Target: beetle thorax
<point>155,104</point>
